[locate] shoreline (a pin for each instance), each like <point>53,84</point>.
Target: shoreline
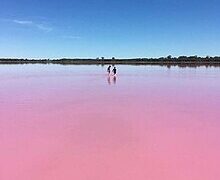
<point>162,62</point>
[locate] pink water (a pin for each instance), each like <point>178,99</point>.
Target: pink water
<point>74,123</point>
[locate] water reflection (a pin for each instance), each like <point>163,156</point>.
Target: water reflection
<point>159,124</point>
<point>109,80</point>
<point>112,79</point>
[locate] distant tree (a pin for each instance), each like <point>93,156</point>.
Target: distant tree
<point>169,57</point>
<point>182,58</point>
<point>217,58</point>
<point>207,57</point>
<point>161,59</point>
<point>193,58</point>
<point>113,58</point>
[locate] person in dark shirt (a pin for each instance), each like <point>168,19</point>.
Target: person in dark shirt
<point>114,71</point>
<point>109,69</point>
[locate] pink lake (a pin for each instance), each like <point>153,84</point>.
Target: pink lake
<point>74,123</point>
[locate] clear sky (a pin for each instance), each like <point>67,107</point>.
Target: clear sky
<point>119,28</point>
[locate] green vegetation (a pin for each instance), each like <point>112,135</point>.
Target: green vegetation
<point>168,61</point>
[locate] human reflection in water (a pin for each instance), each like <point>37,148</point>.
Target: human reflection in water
<point>109,80</point>
<point>112,79</point>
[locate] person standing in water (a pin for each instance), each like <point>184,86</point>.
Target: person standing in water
<point>109,70</point>
<point>114,71</point>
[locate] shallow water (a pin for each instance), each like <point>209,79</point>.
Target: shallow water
<point>74,122</point>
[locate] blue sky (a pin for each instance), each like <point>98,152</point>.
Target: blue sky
<point>119,28</point>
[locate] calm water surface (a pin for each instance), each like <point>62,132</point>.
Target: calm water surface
<point>75,123</point>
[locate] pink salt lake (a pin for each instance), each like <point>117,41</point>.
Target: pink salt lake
<point>74,123</point>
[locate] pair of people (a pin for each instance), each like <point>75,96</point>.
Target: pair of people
<point>114,70</point>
